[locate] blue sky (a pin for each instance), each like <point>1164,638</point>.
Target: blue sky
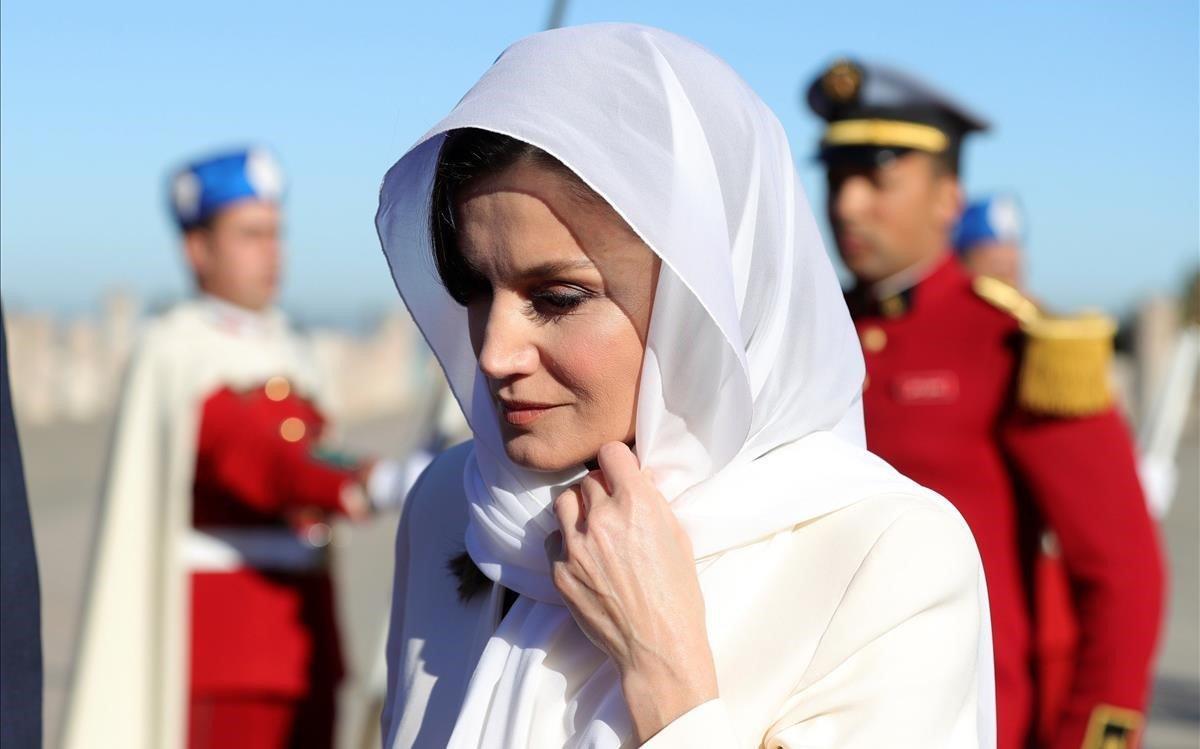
<point>1095,105</point>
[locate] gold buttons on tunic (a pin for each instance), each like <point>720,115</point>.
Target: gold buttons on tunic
<point>278,388</point>
<point>893,306</point>
<point>874,340</point>
<point>292,429</point>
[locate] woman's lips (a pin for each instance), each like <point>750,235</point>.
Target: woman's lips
<point>522,414</point>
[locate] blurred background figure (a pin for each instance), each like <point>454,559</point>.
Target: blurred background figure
<point>989,239</point>
<point>1019,440</point>
<point>210,611</point>
<point>20,604</point>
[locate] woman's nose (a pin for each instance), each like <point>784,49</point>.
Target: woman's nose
<point>505,340</point>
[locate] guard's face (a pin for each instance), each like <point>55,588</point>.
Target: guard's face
<point>889,217</point>
<point>237,258</point>
<point>559,322</point>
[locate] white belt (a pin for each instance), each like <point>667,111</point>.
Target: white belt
<point>230,549</point>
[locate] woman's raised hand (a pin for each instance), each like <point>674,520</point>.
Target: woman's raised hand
<point>624,566</point>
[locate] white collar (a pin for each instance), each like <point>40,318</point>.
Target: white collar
<point>902,281</point>
<point>234,318</point>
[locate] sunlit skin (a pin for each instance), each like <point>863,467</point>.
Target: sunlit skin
<point>1000,260</point>
<point>237,257</point>
<point>559,331</point>
<point>892,217</point>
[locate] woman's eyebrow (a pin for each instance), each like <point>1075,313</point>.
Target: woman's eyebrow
<point>552,268</point>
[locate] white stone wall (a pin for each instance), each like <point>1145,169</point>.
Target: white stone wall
<point>71,370</point>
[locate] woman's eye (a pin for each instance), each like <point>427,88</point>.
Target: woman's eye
<point>553,303</point>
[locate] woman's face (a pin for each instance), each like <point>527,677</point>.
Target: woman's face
<point>559,324</point>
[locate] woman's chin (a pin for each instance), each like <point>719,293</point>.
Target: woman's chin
<point>542,454</point>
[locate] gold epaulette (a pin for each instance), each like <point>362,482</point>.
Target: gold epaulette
<point>1066,363</point>
<point>999,294</point>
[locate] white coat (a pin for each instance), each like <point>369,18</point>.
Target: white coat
<point>857,628</point>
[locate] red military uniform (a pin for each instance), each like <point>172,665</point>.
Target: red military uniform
<point>942,406</point>
<point>265,661</point>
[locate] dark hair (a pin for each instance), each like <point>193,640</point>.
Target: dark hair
<point>946,163</point>
<point>204,224</point>
<point>468,154</point>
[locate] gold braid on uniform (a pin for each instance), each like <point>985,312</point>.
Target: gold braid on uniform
<point>1112,728</point>
<point>1065,366</point>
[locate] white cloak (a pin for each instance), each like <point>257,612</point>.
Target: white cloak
<point>129,686</point>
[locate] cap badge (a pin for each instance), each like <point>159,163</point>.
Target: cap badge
<point>842,81</point>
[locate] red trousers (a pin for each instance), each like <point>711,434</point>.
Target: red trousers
<point>1057,637</point>
<point>260,722</point>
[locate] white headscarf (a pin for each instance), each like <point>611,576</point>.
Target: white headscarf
<point>750,345</point>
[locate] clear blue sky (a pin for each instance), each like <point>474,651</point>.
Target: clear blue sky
<point>1096,106</point>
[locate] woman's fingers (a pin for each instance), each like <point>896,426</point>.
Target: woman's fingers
<point>619,464</point>
<point>569,509</point>
<point>593,489</point>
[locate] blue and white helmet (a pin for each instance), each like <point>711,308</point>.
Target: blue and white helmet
<point>201,189</point>
<point>996,218</point>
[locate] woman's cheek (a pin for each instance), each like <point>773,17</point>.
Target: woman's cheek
<point>601,364</point>
<point>578,361</point>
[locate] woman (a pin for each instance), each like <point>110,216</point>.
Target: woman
<point>674,536</point>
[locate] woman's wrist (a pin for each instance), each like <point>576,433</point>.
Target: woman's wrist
<point>659,693</point>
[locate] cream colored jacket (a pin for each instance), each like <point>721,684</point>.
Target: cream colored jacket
<point>856,629</point>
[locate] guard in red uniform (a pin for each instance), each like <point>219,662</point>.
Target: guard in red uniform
<point>211,617</point>
<point>974,392</point>
<point>265,661</point>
